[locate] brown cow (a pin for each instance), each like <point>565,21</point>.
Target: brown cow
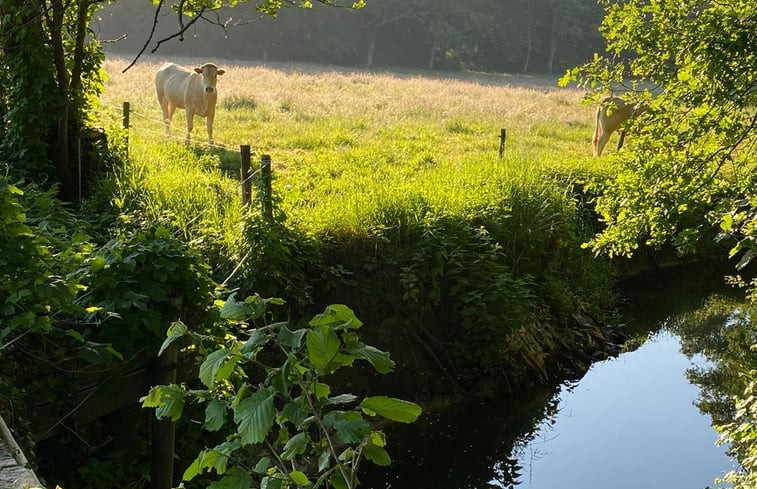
<point>194,91</point>
<point>611,114</point>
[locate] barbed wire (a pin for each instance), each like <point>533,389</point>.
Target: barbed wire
<point>214,144</point>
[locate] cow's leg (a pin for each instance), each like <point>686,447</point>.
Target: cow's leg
<point>166,108</point>
<point>600,140</point>
<point>621,138</point>
<point>209,127</point>
<point>190,125</point>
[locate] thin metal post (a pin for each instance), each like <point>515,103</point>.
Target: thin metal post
<point>126,111</point>
<point>244,152</point>
<point>265,180</point>
<point>502,139</point>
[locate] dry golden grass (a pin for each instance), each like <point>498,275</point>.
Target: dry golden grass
<point>299,99</point>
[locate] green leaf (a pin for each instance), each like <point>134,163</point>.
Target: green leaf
<point>350,426</point>
<point>324,459</point>
<point>322,346</point>
<point>299,478</point>
<point>168,399</point>
<point>210,366</point>
<point>295,446</point>
<point>338,316</point>
<point>295,411</point>
<point>215,415</point>
<point>255,416</point>
<point>377,455</point>
<point>727,222</point>
<point>175,331</point>
<point>235,478</point>
<point>322,390</point>
<point>257,338</point>
<point>341,399</point>
<point>390,408</point>
<point>291,339</point>
<point>271,483</point>
<point>262,466</point>
<point>379,359</point>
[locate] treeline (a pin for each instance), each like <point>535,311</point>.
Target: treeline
<point>536,36</point>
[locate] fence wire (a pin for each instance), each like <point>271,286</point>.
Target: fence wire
<point>161,132</point>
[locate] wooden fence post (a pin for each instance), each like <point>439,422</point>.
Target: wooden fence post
<point>502,138</point>
<point>126,111</point>
<point>244,151</point>
<point>164,430</point>
<point>265,180</point>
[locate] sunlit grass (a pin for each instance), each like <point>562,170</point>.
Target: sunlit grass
<point>345,143</point>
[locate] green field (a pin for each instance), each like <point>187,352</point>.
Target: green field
<point>392,189</point>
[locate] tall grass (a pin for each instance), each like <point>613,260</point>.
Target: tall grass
<point>404,165</point>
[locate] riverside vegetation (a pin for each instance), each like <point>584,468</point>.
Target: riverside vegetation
<point>389,197</point>
<point>392,198</point>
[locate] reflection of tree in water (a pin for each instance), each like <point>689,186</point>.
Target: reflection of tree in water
<point>724,333</point>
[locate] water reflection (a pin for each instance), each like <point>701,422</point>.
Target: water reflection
<point>629,423</point>
<point>643,419</point>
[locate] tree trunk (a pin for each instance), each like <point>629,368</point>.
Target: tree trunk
<point>432,56</point>
<point>552,43</point>
<point>529,38</point>
<point>371,46</point>
<point>66,171</point>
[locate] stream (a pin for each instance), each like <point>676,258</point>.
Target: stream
<point>632,421</point>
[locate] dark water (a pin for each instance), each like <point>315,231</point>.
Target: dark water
<point>630,422</point>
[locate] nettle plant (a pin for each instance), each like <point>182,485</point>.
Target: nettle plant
<point>289,429</point>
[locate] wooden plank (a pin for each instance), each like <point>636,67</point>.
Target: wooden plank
<point>14,473</point>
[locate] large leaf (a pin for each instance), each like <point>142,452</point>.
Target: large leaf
<point>295,446</point>
<point>168,399</point>
<point>291,339</point>
<point>377,455</point>
<point>390,408</point>
<point>379,359</point>
<point>210,366</point>
<point>175,331</point>
<point>215,415</point>
<point>255,416</point>
<point>323,345</point>
<point>299,478</point>
<point>235,478</point>
<point>350,426</point>
<point>338,316</point>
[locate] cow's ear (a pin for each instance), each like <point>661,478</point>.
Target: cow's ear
<point>198,70</point>
<point>220,72</point>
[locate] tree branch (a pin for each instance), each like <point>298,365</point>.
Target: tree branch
<point>149,39</point>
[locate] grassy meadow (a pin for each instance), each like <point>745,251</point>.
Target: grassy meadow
<point>366,162</point>
<point>341,140</point>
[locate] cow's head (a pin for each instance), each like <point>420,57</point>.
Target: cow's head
<point>209,73</point>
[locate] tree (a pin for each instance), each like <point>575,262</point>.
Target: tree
<point>690,171</point>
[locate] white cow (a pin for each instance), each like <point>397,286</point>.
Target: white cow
<point>194,91</point>
<point>611,114</point>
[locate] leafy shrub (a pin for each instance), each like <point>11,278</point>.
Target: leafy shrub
<point>137,284</point>
<point>287,428</point>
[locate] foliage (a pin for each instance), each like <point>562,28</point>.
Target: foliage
<point>137,284</point>
<point>37,257</point>
<point>691,168</point>
<point>52,74</point>
<point>268,382</point>
<point>724,333</point>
